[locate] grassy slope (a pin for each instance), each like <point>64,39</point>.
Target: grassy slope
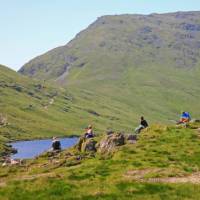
<point>158,95</point>
<point>173,152</point>
<point>140,65</point>
<point>23,102</point>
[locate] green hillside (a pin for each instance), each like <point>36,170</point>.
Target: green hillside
<point>164,164</point>
<point>119,68</point>
<point>149,64</point>
<point>34,109</point>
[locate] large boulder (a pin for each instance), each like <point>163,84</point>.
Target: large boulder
<point>86,145</point>
<point>110,142</point>
<point>89,145</point>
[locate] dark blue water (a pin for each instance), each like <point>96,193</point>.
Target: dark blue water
<point>31,149</point>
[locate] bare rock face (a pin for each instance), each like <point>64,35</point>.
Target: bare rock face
<point>110,142</point>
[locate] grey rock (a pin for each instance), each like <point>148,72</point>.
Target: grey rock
<point>110,142</point>
<point>131,137</point>
<point>86,145</point>
<point>89,145</point>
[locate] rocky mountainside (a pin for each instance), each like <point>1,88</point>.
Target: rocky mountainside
<point>117,42</point>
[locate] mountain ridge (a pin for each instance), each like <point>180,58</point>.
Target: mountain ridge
<point>146,39</point>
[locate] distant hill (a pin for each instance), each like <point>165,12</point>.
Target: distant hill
<point>147,63</point>
<point>34,109</point>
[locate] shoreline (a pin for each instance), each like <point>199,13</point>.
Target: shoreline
<point>8,149</point>
<point>42,138</point>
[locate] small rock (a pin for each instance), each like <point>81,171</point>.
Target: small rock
<point>13,150</point>
<point>110,132</point>
<point>3,120</point>
<point>131,137</point>
<point>195,121</point>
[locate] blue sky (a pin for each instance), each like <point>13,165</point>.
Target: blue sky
<point>32,27</point>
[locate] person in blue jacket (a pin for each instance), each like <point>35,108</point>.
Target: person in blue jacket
<point>185,118</point>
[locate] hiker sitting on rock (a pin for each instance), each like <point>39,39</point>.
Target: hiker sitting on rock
<point>185,118</point>
<point>143,125</point>
<point>56,145</point>
<point>89,132</point>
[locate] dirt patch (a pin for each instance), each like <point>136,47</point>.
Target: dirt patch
<point>2,184</point>
<point>51,175</point>
<point>139,175</point>
<point>194,178</point>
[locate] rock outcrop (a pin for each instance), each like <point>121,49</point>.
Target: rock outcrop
<point>110,142</point>
<point>107,144</point>
<point>89,145</point>
<point>86,145</point>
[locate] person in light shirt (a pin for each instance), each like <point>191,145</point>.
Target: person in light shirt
<point>89,132</point>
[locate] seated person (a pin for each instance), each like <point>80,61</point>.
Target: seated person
<point>185,118</point>
<point>56,145</point>
<point>143,125</point>
<point>89,132</point>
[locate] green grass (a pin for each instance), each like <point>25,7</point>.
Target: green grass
<point>57,189</point>
<point>172,151</point>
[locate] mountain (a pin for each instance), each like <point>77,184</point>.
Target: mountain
<point>116,42</point>
<point>149,64</point>
<point>119,68</point>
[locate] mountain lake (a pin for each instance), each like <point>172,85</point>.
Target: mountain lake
<point>33,148</point>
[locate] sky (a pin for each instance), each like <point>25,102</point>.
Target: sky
<point>32,27</point>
